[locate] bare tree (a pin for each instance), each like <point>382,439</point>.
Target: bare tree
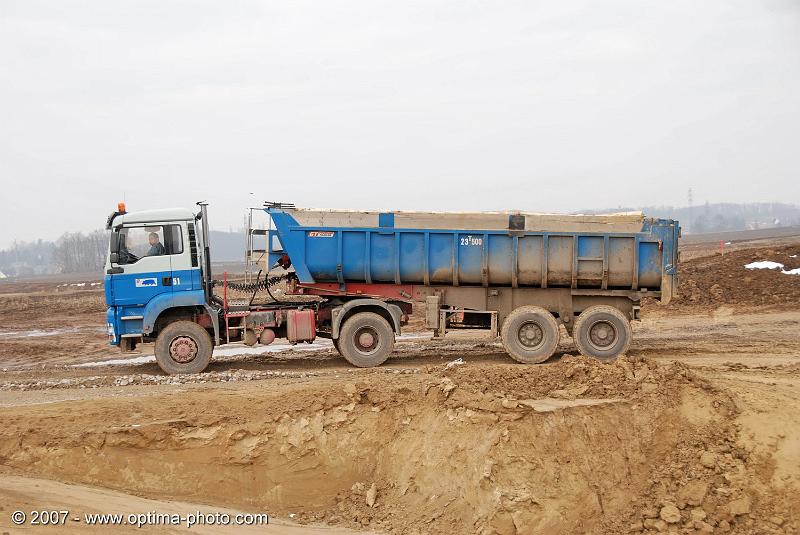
<point>76,252</point>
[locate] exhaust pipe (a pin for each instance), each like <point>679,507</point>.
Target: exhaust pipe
<point>207,280</point>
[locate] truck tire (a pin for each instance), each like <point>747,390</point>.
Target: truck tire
<point>266,337</point>
<point>530,334</point>
<point>249,337</point>
<point>183,347</point>
<point>603,332</point>
<point>365,340</point>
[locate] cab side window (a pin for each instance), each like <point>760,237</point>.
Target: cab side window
<point>136,243</point>
<point>173,239</point>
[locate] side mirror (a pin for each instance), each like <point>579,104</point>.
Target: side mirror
<point>114,244</point>
<point>114,257</point>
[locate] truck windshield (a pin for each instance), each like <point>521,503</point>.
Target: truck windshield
<point>136,243</point>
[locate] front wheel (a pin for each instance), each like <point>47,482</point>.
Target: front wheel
<point>365,340</point>
<point>602,331</point>
<point>183,347</point>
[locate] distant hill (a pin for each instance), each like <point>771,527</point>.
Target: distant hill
<point>83,253</point>
<point>719,217</point>
<point>227,246</point>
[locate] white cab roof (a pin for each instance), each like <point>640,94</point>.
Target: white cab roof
<point>155,216</point>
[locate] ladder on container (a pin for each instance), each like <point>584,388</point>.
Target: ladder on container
<point>256,254</point>
<point>233,309</point>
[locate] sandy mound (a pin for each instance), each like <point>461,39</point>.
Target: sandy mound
<point>579,446</point>
<point>712,281</point>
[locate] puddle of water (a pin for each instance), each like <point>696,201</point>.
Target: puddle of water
<point>37,333</point>
<point>54,332</point>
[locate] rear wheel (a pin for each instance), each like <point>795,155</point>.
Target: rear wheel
<point>249,337</point>
<point>183,347</point>
<point>365,340</point>
<point>530,334</point>
<point>602,331</point>
<point>266,337</point>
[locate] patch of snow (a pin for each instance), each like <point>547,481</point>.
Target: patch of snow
<point>224,351</point>
<point>235,349</point>
<point>768,264</point>
<point>792,256</point>
<point>453,363</point>
<point>414,336</point>
<point>238,348</point>
<point>144,359</point>
<point>764,264</point>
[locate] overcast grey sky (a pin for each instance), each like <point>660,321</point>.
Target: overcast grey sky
<point>448,105</point>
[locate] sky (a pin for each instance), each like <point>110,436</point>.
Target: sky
<point>416,105</point>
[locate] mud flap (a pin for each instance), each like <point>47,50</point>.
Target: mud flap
<point>127,344</point>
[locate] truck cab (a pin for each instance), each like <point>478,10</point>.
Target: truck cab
<point>154,275</point>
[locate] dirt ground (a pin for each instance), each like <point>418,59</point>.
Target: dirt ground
<point>696,430</point>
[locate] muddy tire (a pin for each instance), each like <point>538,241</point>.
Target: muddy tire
<point>603,332</point>
<point>530,334</point>
<point>266,337</point>
<point>249,337</point>
<point>365,340</point>
<point>183,347</point>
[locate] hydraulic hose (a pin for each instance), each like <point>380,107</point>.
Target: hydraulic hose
<point>258,285</point>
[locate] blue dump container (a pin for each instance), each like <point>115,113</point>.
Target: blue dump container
<point>517,250</point>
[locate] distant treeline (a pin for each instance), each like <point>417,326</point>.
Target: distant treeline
<point>73,252</point>
<point>718,217</point>
<point>78,252</point>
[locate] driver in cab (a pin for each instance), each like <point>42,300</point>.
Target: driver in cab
<point>156,247</point>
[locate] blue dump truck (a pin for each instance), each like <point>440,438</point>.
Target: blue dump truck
<point>353,277</point>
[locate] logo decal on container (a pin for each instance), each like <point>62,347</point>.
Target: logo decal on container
<point>320,234</point>
<point>146,283</point>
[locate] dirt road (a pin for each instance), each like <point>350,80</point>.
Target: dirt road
<point>79,501</point>
<point>697,430</point>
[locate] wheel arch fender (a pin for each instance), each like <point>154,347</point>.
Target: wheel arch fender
<point>391,312</point>
<point>170,301</point>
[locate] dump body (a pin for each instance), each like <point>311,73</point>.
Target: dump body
<point>615,252</point>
